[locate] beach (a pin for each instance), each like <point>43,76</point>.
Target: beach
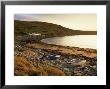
<point>76,51</point>
<point>54,60</point>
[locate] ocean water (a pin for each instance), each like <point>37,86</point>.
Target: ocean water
<point>82,41</point>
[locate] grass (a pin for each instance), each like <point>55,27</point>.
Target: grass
<point>45,28</point>
<point>22,67</point>
<point>55,71</point>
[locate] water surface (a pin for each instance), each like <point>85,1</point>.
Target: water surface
<point>82,41</point>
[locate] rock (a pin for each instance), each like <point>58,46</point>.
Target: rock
<point>81,63</point>
<point>94,67</point>
<point>66,69</point>
<point>78,74</point>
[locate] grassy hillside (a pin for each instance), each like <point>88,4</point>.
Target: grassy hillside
<point>22,67</point>
<point>44,28</point>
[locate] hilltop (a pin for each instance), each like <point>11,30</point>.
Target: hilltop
<point>45,28</point>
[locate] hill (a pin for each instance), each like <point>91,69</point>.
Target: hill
<point>45,28</point>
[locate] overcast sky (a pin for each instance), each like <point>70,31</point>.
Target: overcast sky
<point>73,21</point>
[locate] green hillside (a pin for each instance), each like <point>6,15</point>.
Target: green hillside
<point>44,28</point>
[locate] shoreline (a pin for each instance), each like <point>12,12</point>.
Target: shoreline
<point>66,50</point>
<point>35,58</point>
<point>70,61</point>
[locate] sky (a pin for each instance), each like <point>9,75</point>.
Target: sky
<point>85,22</point>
